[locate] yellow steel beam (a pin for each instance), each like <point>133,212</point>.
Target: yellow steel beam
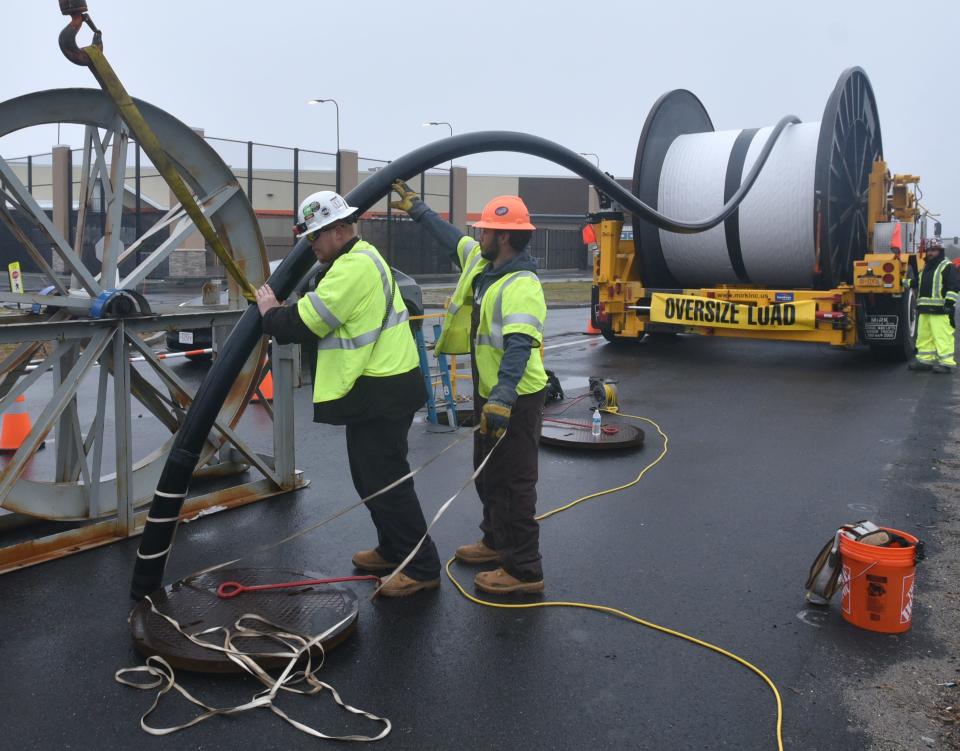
<point>147,139</point>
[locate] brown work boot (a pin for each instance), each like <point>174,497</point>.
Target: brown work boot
<point>402,585</point>
<point>477,552</point>
<point>500,582</point>
<point>371,560</point>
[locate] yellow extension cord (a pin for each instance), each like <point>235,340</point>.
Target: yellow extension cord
<point>621,613</point>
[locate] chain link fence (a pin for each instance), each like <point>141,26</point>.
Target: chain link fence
<point>275,179</point>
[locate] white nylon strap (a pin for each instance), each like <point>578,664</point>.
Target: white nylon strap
<point>436,517</point>
<point>296,647</point>
<point>336,514</point>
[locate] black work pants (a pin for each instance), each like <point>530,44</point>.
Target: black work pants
<point>377,450</point>
<point>508,488</point>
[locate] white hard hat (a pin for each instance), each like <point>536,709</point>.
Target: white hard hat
<point>320,209</point>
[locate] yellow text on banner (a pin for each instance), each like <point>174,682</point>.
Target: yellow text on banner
<point>16,278</point>
<point>689,310</point>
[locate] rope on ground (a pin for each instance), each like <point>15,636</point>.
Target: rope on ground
<point>620,613</point>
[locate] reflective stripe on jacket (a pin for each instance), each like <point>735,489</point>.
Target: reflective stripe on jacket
<point>513,304</point>
<point>358,334</point>
<point>454,338</point>
<point>936,287</point>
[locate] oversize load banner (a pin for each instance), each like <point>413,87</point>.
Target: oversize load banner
<point>688,310</point>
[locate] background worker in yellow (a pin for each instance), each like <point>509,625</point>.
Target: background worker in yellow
<point>367,378</point>
<point>936,304</point>
<point>497,314</point>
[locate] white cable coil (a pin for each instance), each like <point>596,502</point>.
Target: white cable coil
<point>776,235</point>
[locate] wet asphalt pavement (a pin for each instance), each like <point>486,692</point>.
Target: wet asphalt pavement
<point>771,447</point>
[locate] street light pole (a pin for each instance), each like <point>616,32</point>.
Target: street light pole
<point>450,186</point>
<point>590,153</point>
<point>433,122</point>
<point>594,192</point>
<point>337,105</point>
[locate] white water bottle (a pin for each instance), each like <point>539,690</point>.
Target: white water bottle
<point>595,424</point>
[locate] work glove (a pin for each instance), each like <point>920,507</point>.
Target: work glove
<point>408,197</point>
<point>496,412</point>
<point>494,418</point>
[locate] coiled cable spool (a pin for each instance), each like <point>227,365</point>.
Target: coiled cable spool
<point>804,221</point>
<point>604,393</point>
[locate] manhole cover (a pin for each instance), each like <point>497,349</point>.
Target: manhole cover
<point>573,434</point>
<point>194,604</point>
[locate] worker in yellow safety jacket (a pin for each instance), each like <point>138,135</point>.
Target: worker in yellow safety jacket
<point>497,314</point>
<point>367,378</point>
<point>936,305</point>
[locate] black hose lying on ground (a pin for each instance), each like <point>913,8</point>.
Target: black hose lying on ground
<point>171,490</point>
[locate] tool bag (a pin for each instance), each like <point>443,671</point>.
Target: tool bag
<point>554,389</point>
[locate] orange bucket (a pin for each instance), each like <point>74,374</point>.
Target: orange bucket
<point>877,583</point>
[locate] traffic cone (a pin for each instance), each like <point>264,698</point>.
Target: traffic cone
<point>16,427</point>
<point>591,330</point>
<point>266,388</point>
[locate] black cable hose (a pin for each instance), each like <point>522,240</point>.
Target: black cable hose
<point>172,487</point>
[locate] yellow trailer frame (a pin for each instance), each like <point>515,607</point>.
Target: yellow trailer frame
<point>623,307</point>
<point>623,302</point>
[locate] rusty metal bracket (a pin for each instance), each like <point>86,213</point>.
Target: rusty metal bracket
<point>77,10</point>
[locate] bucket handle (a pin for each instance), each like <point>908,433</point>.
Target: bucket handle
<point>862,573</point>
<point>918,554</point>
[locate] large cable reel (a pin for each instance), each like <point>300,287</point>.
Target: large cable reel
<point>805,220</point>
<point>96,321</point>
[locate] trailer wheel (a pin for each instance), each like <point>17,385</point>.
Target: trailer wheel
<point>608,334</point>
<point>905,346</point>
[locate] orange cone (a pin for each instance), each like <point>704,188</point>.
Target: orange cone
<point>591,329</point>
<point>16,427</point>
<point>266,388</point>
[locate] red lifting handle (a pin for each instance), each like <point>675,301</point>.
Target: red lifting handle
<point>231,589</point>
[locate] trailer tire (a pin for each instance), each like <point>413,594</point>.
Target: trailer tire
<point>608,334</point>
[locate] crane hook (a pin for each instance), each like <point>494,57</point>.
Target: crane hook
<point>77,10</point>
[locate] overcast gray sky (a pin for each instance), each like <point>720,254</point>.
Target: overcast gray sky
<point>582,74</point>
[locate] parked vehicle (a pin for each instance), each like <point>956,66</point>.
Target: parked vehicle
<point>187,340</point>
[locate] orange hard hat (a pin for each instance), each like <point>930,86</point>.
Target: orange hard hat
<point>505,213</point>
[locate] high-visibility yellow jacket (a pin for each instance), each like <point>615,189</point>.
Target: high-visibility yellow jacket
<point>359,334</point>
<point>513,304</point>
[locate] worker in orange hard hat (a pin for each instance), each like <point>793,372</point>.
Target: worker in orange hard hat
<point>497,314</point>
